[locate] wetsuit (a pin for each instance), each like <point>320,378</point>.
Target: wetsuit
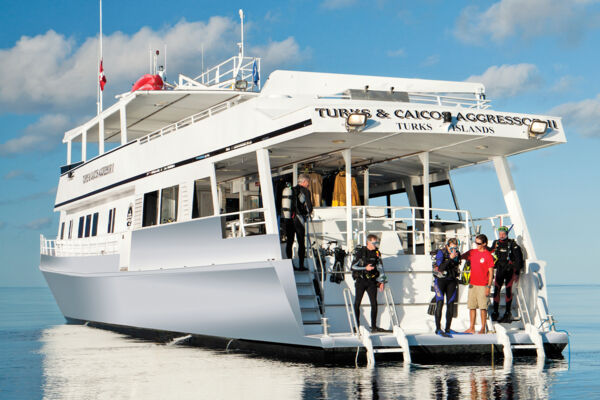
<point>446,286</point>
<point>296,226</point>
<point>508,266</point>
<point>366,281</point>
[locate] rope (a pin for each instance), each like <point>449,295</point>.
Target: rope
<point>356,358</point>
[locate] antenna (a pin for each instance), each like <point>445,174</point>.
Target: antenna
<point>241,44</point>
<point>100,67</point>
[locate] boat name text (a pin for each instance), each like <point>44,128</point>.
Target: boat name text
<point>108,169</point>
<point>425,115</point>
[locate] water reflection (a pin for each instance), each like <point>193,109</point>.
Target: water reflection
<point>87,363</point>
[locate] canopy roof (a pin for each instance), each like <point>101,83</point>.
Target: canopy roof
<point>148,111</point>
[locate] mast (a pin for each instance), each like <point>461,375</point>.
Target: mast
<point>100,67</point>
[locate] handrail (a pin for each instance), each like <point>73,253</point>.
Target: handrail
<point>350,311</point>
<point>224,74</point>
<point>477,101</point>
<point>192,119</point>
<point>80,247</point>
<point>238,227</point>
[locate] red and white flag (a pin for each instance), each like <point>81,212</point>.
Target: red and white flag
<point>101,77</point>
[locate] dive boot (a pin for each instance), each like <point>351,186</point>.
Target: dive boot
<point>507,318</point>
<point>495,316</point>
<point>441,333</point>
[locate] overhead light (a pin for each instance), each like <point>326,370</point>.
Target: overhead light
<point>537,128</point>
<point>338,141</point>
<point>356,121</point>
<point>241,85</point>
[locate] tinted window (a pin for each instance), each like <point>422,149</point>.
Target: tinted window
<point>81,226</point>
<point>168,204</point>
<point>62,231</point>
<point>150,209</point>
<point>95,224</point>
<point>202,206</point>
<point>88,223</point>
<point>70,229</point>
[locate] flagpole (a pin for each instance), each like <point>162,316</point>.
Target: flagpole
<point>99,63</point>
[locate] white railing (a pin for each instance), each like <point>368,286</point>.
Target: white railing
<point>475,101</point>
<point>408,222</point>
<point>192,119</point>
<point>80,247</point>
<point>472,101</point>
<point>248,222</point>
<point>224,75</point>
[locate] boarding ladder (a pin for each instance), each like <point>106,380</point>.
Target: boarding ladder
<point>361,332</point>
<point>532,331</point>
<point>365,336</point>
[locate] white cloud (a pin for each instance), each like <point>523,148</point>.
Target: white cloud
<point>396,53</point>
<point>42,135</point>
<point>566,83</point>
<point>38,224</point>
<point>33,196</point>
<point>337,4</point>
<point>431,60</point>
<point>50,73</point>
<point>19,174</point>
<point>507,18</point>
<point>279,55</point>
<point>508,80</point>
<point>581,116</point>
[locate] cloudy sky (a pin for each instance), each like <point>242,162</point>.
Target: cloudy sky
<point>534,56</point>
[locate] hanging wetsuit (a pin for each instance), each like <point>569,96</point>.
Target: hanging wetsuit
<point>296,226</point>
<point>366,281</point>
<point>509,260</point>
<point>445,286</point>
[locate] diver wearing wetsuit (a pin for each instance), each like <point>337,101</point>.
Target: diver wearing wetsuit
<point>509,259</point>
<point>296,226</point>
<point>366,270</point>
<point>445,284</point>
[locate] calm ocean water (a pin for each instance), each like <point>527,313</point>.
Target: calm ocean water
<point>41,357</point>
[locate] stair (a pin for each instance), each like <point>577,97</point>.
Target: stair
<point>309,305</point>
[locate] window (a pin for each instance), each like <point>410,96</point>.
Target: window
<point>88,223</point>
<point>111,220</point>
<point>95,224</point>
<point>70,229</point>
<point>150,208</point>
<point>62,231</point>
<point>80,229</point>
<point>202,205</point>
<point>168,204</point>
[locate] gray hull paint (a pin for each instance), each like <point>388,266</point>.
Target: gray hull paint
<point>254,301</point>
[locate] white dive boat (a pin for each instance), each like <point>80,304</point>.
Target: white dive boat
<point>175,230</point>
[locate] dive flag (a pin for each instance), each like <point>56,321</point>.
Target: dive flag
<point>101,77</point>
<point>255,76</point>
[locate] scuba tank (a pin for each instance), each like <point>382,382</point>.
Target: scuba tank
<point>286,202</point>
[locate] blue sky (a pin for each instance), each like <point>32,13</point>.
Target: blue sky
<point>534,56</point>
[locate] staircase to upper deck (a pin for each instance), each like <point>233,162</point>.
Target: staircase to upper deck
<point>309,303</point>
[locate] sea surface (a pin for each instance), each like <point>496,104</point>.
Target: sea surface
<point>43,358</point>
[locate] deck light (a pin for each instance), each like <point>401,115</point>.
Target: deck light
<point>356,121</point>
<point>241,85</point>
<point>537,128</point>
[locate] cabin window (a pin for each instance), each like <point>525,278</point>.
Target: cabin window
<point>202,205</point>
<point>111,220</point>
<point>168,204</point>
<point>62,231</point>
<point>81,226</point>
<point>88,224</point>
<point>150,208</point>
<point>70,229</point>
<point>95,224</point>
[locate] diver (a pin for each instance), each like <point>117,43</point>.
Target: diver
<point>509,262</point>
<point>300,211</point>
<point>367,272</point>
<point>445,283</point>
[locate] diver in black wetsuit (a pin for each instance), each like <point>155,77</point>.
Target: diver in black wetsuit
<point>301,210</point>
<point>366,268</point>
<point>509,262</point>
<point>445,284</point>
